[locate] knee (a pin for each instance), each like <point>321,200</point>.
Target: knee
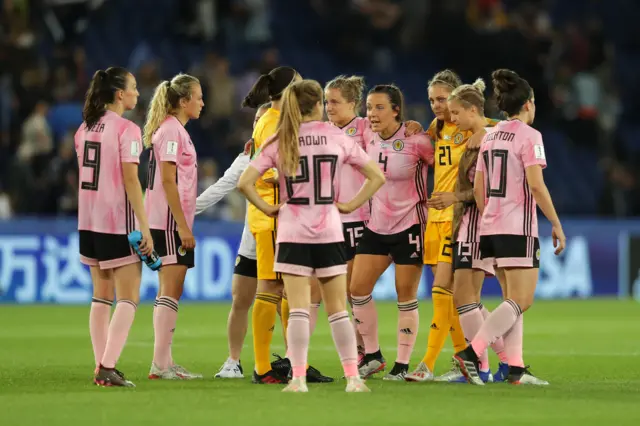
<point>524,301</point>
<point>406,294</point>
<point>335,304</point>
<point>241,302</point>
<point>358,290</point>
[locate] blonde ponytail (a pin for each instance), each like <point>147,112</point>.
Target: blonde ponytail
<point>158,110</point>
<point>288,131</point>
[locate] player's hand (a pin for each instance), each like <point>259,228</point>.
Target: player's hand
<point>272,211</point>
<point>442,200</point>
<point>344,208</point>
<point>475,140</point>
<point>247,147</point>
<point>412,128</point>
<point>186,236</point>
<point>146,245</point>
<point>559,240</point>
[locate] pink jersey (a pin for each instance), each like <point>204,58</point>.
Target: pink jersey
<point>400,203</point>
<point>101,150</point>
<point>351,180</point>
<point>310,215</point>
<point>507,150</point>
<point>469,230</point>
<point>171,142</point>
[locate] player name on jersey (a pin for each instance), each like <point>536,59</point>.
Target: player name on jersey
<point>312,140</point>
<point>500,136</point>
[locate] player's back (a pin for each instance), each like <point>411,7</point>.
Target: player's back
<point>351,180</point>
<point>507,150</point>
<point>101,149</point>
<point>310,214</point>
<point>399,204</point>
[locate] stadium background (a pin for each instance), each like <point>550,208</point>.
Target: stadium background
<point>578,55</point>
<point>581,56</point>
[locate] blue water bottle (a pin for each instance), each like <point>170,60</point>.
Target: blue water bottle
<point>153,261</point>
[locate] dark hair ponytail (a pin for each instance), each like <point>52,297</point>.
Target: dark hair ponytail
<point>269,87</point>
<point>102,90</point>
<point>511,90</point>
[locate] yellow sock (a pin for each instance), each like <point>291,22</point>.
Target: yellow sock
<point>457,335</point>
<point>284,317</point>
<point>263,321</point>
<point>442,305</point>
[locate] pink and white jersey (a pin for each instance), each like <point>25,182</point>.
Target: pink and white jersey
<point>102,201</point>
<point>507,150</point>
<point>351,180</point>
<point>310,215</point>
<point>400,203</point>
<point>171,142</point>
<point>469,230</point>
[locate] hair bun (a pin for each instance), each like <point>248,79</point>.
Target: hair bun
<point>479,85</point>
<point>504,80</point>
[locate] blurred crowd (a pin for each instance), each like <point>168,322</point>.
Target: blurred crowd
<point>45,68</point>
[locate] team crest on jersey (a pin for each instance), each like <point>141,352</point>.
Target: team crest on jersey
<point>181,251</point>
<point>458,138</point>
<point>351,131</point>
<point>398,145</point>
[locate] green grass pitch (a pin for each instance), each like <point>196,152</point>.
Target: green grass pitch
<point>588,350</point>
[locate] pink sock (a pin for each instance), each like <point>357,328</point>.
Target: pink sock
<point>99,326</point>
<point>345,341</point>
<point>166,316</point>
<point>496,325</point>
<point>354,323</point>
<point>119,328</point>
<point>313,316</point>
<point>513,344</point>
<point>366,317</point>
<point>408,320</point>
<point>298,340</point>
<point>498,345</point>
<point>471,320</point>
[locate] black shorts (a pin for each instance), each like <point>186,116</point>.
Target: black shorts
<point>511,251</point>
<point>105,250</point>
<point>168,245</point>
<point>352,235</point>
<point>246,267</point>
<point>405,248</point>
<point>466,255</point>
<point>321,260</point>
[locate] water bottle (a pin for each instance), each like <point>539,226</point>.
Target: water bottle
<point>153,261</point>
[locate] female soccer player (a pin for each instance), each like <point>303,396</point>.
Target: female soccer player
<point>309,155</point>
<point>466,106</point>
<point>508,185</point>
<point>394,232</point>
<point>270,87</point>
<point>244,283</point>
<point>343,96</point>
<point>110,201</point>
<point>450,143</point>
<point>171,203</point>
